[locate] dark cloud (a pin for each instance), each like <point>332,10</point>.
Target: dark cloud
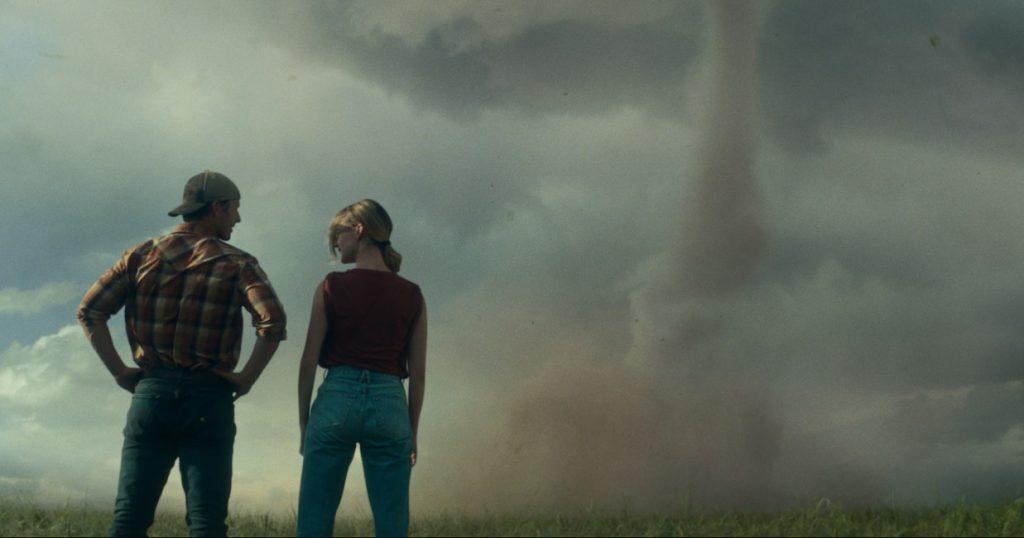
<point>944,71</point>
<point>908,70</point>
<point>571,65</point>
<point>994,42</point>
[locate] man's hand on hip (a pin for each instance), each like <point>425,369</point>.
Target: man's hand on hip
<point>128,378</point>
<point>240,382</point>
<point>244,380</point>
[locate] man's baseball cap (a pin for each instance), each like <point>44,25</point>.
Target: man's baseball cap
<point>204,188</point>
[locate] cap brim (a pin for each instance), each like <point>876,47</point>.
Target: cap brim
<point>185,209</point>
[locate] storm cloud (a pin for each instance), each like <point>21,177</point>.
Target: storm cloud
<point>538,160</point>
<point>567,58</point>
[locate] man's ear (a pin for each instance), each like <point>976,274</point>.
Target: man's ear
<point>218,208</point>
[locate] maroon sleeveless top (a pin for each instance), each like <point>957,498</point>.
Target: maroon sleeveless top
<point>370,317</point>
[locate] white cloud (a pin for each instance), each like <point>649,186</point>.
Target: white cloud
<point>17,301</point>
<point>61,407</point>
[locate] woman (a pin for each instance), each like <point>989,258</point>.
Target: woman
<point>369,329</point>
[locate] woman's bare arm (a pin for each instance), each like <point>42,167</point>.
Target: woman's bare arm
<point>417,362</point>
<point>310,357</point>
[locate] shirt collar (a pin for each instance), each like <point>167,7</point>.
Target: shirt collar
<point>184,249</point>
<point>188,228</point>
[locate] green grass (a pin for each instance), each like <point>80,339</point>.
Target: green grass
<point>825,519</point>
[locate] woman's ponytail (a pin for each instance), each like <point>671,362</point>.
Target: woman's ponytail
<point>391,258</point>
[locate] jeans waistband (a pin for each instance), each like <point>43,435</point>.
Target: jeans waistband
<point>204,377</point>
<point>361,375</point>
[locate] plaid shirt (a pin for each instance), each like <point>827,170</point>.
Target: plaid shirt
<point>182,295</point>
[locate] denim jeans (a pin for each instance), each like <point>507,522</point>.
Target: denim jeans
<point>355,406</point>
<point>169,419</point>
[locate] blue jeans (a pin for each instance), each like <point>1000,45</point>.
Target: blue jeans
<point>171,419</point>
<point>369,408</point>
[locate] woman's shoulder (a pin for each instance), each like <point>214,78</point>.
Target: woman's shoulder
<point>358,274</point>
<point>333,276</point>
<point>335,281</point>
<point>404,280</point>
<point>403,283</point>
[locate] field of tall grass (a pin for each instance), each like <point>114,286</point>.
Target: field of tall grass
<point>824,519</point>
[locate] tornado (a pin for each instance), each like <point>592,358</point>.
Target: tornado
<point>647,431</point>
<point>719,426</point>
<point>679,420</point>
<point>642,431</point>
<point>721,238</point>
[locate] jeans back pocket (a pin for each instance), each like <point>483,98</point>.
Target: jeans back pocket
<point>390,419</point>
<point>333,414</point>
<point>143,419</point>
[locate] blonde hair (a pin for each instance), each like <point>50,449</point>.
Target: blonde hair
<point>377,225</point>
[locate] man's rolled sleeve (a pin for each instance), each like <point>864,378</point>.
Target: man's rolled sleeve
<point>106,296</point>
<point>260,300</point>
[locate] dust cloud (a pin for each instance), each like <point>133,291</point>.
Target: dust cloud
<point>656,430</point>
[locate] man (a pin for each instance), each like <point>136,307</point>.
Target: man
<point>183,294</point>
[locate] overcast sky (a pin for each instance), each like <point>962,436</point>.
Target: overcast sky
<point>542,163</point>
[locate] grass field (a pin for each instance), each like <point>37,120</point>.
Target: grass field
<point>961,519</point>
